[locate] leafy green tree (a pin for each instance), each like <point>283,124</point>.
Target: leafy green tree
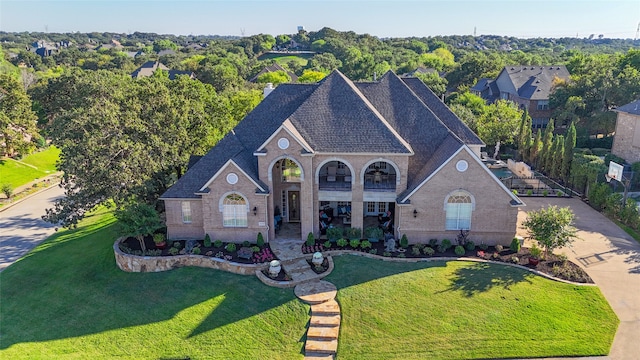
<point>242,102</point>
<point>499,123</point>
<point>311,76</point>
<point>473,102</point>
<point>325,62</point>
<point>466,115</point>
<point>567,157</point>
<point>17,120</point>
<point>551,227</point>
<point>274,77</point>
<point>435,82</point>
<point>126,140</point>
<point>164,44</point>
<point>138,220</point>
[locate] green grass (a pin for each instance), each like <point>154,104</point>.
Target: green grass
<point>464,310</point>
<point>17,174</point>
<point>67,299</point>
<point>629,230</point>
<point>301,59</point>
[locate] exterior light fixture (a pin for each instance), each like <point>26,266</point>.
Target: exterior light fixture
<point>415,213</point>
<point>255,210</point>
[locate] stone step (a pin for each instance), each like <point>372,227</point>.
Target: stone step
<point>321,346</point>
<point>323,333</point>
<point>330,307</point>
<point>330,320</point>
<point>318,356</point>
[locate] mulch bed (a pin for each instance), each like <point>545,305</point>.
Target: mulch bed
<point>219,252</point>
<point>553,265</point>
<point>320,269</point>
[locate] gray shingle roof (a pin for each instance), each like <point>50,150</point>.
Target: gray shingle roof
<point>148,68</point>
<point>337,115</point>
<point>631,108</point>
<point>534,81</point>
<point>443,112</point>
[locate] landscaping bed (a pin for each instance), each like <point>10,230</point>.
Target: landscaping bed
<point>554,265</point>
<point>244,253</point>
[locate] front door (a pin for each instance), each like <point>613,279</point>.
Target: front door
<point>294,206</point>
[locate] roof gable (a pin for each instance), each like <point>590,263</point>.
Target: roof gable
<point>223,168</point>
<point>337,118</point>
<point>535,82</point>
<point>631,108</point>
<point>287,127</point>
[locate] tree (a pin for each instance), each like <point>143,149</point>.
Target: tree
<point>466,115</point>
<point>524,135</point>
<point>311,76</point>
<point>567,157</point>
<point>274,77</point>
<point>536,148</point>
<point>126,140</point>
<point>435,82</point>
<point>138,220</point>
<point>551,227</point>
<point>499,123</point>
<point>555,165</point>
<point>547,142</point>
<point>17,120</point>
<point>325,63</point>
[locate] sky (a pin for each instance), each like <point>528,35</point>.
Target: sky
<point>519,18</point>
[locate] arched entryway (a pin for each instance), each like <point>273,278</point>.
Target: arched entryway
<point>287,176</point>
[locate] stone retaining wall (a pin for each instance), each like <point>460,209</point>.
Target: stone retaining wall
<point>133,263</point>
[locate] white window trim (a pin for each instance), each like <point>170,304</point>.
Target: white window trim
<point>187,216</point>
<point>458,219</point>
<point>221,208</point>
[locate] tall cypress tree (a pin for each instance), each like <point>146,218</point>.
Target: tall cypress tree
<point>521,141</point>
<point>567,157</point>
<point>528,140</point>
<point>536,147</point>
<point>547,143</point>
<point>557,158</point>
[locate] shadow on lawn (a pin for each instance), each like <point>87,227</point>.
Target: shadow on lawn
<point>70,286</point>
<point>481,277</point>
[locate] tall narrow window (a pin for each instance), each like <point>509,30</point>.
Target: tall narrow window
<point>186,212</point>
<point>459,207</point>
<point>234,211</point>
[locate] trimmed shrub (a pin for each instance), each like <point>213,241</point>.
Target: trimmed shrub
<point>515,245</point>
<point>173,251</point>
<point>499,248</point>
<point>404,242</point>
<point>255,249</point>
<point>459,250</point>
<point>7,190</point>
<point>415,251</point>
<point>327,244</point>
<point>246,244</point>
<point>207,240</point>
<point>483,246</point>
<point>311,240</point>
<point>529,192</point>
<point>217,243</point>
<point>446,244</point>
<point>354,243</point>
<point>365,244</point>
<point>196,251</point>
<point>260,240</point>
<point>342,242</point>
<point>231,247</point>
<point>433,243</point>
<point>373,251</point>
<point>354,233</point>
<point>419,246</point>
<point>428,251</point>
<point>470,245</point>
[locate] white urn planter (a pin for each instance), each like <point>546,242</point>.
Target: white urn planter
<point>317,259</point>
<point>274,268</point>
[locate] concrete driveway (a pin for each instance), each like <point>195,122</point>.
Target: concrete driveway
<point>612,258</point>
<point>21,225</point>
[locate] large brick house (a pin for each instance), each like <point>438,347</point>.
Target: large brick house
<point>528,86</point>
<point>626,142</point>
<point>353,149</point>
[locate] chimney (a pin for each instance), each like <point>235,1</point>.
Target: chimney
<point>268,89</point>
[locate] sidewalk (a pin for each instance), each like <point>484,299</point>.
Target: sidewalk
<point>50,181</point>
<point>612,258</point>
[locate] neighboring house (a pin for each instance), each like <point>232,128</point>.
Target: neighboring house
<point>528,86</point>
<point>44,48</point>
<point>166,52</point>
<point>355,149</point>
<point>274,68</point>
<point>148,68</point>
<point>113,44</point>
<point>626,142</point>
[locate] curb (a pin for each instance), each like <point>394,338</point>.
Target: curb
<point>11,204</point>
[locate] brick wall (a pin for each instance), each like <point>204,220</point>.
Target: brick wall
<point>626,142</point>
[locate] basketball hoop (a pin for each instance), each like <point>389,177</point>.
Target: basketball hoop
<point>615,172</point>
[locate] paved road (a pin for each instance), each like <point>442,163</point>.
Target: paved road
<point>612,258</point>
<point>21,226</point>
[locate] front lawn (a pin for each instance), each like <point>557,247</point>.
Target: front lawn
<point>464,310</point>
<point>29,168</point>
<point>67,299</point>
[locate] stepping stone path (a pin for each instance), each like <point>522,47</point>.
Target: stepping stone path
<point>324,326</point>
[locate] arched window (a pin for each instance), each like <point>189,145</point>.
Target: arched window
<point>459,206</point>
<point>234,211</point>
